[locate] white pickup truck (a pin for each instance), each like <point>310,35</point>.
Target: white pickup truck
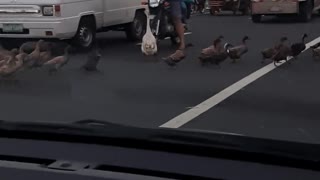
<point>78,20</point>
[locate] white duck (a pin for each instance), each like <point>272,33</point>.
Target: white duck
<point>149,42</point>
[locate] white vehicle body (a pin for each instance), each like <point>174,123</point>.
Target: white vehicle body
<point>61,19</point>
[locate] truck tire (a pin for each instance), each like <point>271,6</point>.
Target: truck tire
<point>86,33</point>
<point>256,18</point>
<point>136,30</point>
<point>305,11</point>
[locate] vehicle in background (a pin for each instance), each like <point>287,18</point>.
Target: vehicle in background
<point>302,8</point>
<point>71,19</point>
<point>217,6</point>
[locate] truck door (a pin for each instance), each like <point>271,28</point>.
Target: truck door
<point>115,11</point>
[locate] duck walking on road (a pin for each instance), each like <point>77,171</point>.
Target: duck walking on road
<point>236,52</point>
<point>58,62</point>
<point>297,48</point>
<point>34,57</point>
<point>268,53</point>
<point>214,54</point>
<point>93,60</point>
<point>283,52</point>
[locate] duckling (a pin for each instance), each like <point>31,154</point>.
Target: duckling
<point>237,51</point>
<point>149,42</point>
<point>268,53</point>
<point>297,48</point>
<point>283,52</point>
<point>92,60</point>
<point>58,62</point>
<point>34,56</point>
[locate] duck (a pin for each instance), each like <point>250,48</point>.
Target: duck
<point>235,52</point>
<point>212,49</point>
<point>315,51</point>
<point>92,60</point>
<point>58,62</point>
<point>45,56</point>
<point>297,48</point>
<point>34,56</point>
<point>29,47</point>
<point>210,53</point>
<point>13,65</point>
<point>9,56</point>
<point>221,55</point>
<point>149,42</point>
<point>5,61</point>
<point>284,50</point>
<point>4,52</point>
<point>268,53</point>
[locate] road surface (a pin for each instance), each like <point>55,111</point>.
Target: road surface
<point>143,91</point>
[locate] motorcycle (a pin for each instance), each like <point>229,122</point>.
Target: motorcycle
<point>161,22</point>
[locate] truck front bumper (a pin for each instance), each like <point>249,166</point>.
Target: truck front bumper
<point>41,28</point>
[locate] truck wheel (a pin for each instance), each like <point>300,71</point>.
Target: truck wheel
<point>136,30</point>
<point>86,33</point>
<point>305,10</point>
<point>256,18</point>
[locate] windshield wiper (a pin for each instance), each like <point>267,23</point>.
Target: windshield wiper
<point>290,154</point>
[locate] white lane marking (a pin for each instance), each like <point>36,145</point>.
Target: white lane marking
<point>196,111</point>
<point>187,33</point>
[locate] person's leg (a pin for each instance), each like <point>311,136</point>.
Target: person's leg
<point>176,12</point>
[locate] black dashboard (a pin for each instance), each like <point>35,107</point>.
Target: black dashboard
<point>51,160</point>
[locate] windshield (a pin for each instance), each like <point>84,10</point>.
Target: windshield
<point>248,68</point>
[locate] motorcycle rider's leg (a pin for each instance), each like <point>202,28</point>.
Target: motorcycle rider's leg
<point>176,12</point>
<point>180,31</point>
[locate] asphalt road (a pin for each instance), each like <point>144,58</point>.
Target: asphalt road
<point>142,91</point>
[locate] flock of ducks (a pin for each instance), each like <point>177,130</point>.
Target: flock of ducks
<point>282,50</point>
<point>36,55</point>
<point>39,54</point>
<point>29,56</point>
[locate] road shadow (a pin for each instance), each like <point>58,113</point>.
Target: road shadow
<point>283,19</point>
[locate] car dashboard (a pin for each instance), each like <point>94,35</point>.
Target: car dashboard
<point>39,159</point>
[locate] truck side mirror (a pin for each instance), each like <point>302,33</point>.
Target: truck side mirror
<point>153,3</point>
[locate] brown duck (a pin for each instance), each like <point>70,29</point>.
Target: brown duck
<point>34,56</point>
<point>268,53</point>
<point>58,62</point>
